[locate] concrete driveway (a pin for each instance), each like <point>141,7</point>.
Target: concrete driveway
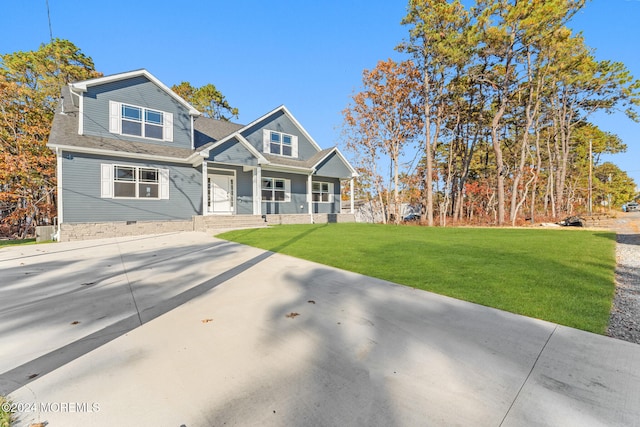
<point>188,330</point>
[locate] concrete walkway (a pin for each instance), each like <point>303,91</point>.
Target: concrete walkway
<point>188,330</point>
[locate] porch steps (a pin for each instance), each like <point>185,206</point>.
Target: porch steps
<point>232,222</point>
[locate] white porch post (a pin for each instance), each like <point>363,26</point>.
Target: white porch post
<point>257,191</point>
<point>351,193</point>
<point>60,199</point>
<point>309,197</point>
<point>205,195</point>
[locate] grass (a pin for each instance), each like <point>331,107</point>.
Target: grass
<point>17,242</point>
<point>564,276</point>
<point>6,418</point>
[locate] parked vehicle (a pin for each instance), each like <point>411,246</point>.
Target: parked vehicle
<point>572,221</point>
<point>632,207</point>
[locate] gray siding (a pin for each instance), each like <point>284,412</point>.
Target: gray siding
<point>233,152</point>
<point>333,167</point>
<point>140,92</point>
<point>281,123</point>
<point>82,201</point>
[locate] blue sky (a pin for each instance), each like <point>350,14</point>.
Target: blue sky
<point>308,55</point>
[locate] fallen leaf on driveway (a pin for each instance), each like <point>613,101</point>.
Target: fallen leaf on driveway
<point>32,376</point>
<point>292,315</point>
<point>311,301</point>
<point>207,320</point>
<point>75,322</point>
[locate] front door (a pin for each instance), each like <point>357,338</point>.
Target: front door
<point>221,194</point>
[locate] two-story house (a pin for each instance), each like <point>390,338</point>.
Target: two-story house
<point>130,149</point>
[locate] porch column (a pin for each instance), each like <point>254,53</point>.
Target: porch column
<point>351,193</point>
<point>309,197</point>
<point>205,193</point>
<point>257,191</point>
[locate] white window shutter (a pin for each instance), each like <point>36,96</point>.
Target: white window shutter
<point>294,146</point>
<point>168,127</point>
<point>164,183</point>
<point>114,116</point>
<point>331,195</point>
<point>266,139</point>
<point>106,181</point>
<point>287,190</point>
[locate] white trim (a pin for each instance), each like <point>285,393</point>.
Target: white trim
<point>351,192</point>
<point>193,138</point>
<point>164,184</point>
<point>287,189</point>
<point>80,114</point>
<point>291,169</point>
<point>257,190</point>
<point>106,180</point>
<point>330,189</point>
<point>205,192</point>
<point>309,197</point>
<point>266,143</point>
<point>137,181</point>
<point>266,140</point>
<point>82,86</point>
<point>124,154</point>
<point>115,121</point>
<point>167,121</point>
<point>59,189</point>
<point>167,127</point>
<point>234,189</point>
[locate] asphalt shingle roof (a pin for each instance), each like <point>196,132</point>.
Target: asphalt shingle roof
<point>207,131</point>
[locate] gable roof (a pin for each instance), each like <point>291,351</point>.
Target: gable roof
<point>83,85</point>
<point>208,134</point>
<point>290,116</point>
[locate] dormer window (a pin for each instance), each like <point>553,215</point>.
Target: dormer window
<point>280,144</point>
<point>126,119</point>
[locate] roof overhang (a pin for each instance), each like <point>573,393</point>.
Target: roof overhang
<point>82,86</point>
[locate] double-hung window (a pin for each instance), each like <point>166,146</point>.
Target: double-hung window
<point>134,182</point>
<point>322,192</point>
<point>280,144</point>
<point>126,119</point>
<point>276,190</point>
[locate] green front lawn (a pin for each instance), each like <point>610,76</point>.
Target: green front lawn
<point>565,276</point>
<point>17,242</point>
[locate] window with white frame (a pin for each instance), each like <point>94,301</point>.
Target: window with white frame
<point>126,119</point>
<point>280,144</point>
<point>322,192</point>
<point>276,190</point>
<point>134,182</point>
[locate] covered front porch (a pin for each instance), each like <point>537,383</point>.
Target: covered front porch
<point>257,190</point>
